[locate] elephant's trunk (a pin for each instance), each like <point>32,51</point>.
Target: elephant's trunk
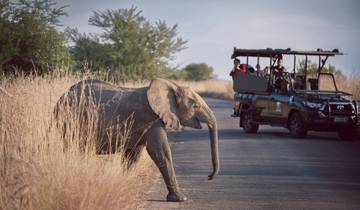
<point>213,132</point>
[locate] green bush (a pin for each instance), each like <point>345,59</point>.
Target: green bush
<point>28,38</point>
<point>198,71</point>
<point>312,69</point>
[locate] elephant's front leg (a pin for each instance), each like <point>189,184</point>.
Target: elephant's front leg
<point>159,150</point>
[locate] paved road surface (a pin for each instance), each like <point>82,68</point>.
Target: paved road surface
<point>268,170</point>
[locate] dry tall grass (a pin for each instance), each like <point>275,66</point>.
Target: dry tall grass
<point>221,89</point>
<point>351,85</point>
<point>36,173</point>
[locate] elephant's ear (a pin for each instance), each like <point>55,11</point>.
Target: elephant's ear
<point>163,97</point>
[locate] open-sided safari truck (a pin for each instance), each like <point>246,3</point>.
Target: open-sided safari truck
<point>295,100</point>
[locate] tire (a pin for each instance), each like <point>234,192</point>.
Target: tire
<point>297,126</point>
<point>347,134</point>
<point>247,124</point>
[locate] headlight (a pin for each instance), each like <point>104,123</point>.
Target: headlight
<point>354,106</point>
<point>313,105</point>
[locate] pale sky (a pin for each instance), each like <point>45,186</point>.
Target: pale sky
<point>213,28</point>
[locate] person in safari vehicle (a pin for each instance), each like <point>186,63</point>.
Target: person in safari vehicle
<point>238,67</point>
<point>241,68</point>
<point>279,73</point>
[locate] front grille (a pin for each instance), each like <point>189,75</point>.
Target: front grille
<point>341,109</point>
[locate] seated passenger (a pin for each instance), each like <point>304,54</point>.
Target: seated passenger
<point>238,67</point>
<point>266,71</point>
<point>250,69</point>
<point>279,69</point>
<point>243,69</point>
<point>281,85</point>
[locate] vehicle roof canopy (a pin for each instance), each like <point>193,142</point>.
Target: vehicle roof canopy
<point>269,52</point>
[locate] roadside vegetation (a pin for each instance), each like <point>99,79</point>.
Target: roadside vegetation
<point>38,63</point>
<point>128,47</point>
<point>351,85</point>
<point>37,172</point>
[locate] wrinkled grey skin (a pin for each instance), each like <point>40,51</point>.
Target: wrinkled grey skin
<point>154,109</point>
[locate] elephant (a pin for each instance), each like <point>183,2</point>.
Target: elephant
<point>154,110</point>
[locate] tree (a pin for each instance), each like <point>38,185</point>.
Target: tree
<point>199,71</point>
<point>89,52</point>
<point>28,37</point>
<point>312,69</point>
<point>136,48</point>
<point>177,74</point>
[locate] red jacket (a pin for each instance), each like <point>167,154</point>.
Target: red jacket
<point>242,68</point>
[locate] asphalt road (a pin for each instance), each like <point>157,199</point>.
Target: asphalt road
<point>268,170</point>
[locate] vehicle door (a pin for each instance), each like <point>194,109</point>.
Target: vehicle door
<point>279,107</point>
<point>263,113</point>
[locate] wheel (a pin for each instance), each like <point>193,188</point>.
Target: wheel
<point>347,134</point>
<point>247,124</point>
<point>297,126</point>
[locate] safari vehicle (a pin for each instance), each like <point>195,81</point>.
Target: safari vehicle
<point>295,100</point>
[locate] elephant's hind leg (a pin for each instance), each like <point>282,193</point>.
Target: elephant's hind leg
<point>159,150</point>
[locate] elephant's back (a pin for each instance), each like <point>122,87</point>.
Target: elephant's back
<point>93,85</point>
<point>132,102</point>
<point>89,92</point>
<point>97,90</point>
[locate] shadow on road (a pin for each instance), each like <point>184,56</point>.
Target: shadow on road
<point>154,200</point>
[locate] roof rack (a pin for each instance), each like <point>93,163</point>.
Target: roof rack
<point>269,52</point>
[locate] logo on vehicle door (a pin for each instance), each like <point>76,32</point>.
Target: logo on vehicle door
<point>278,106</point>
<point>340,107</point>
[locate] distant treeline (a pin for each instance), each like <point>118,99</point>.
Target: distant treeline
<point>129,47</point>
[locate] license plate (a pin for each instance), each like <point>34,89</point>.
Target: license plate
<point>340,119</point>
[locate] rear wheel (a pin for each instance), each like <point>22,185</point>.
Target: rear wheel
<point>247,123</point>
<point>347,134</point>
<point>297,126</point>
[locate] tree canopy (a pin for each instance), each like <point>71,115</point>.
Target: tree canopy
<point>28,37</point>
<point>131,47</point>
<point>198,71</point>
<point>312,69</point>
